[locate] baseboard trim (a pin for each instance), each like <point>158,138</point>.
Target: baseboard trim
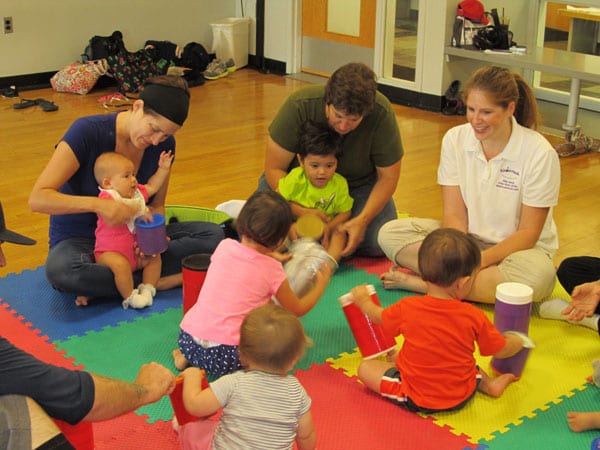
<point>27,82</point>
<point>396,95</point>
<point>414,99</point>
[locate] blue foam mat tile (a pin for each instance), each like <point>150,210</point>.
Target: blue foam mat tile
<point>56,314</point>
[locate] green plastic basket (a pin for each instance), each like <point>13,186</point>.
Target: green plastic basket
<point>195,214</point>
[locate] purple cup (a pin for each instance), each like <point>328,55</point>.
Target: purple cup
<point>151,236</point>
<point>512,313</point>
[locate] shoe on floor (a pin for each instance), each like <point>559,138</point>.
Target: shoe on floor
<point>576,143</point>
<point>24,104</point>
<point>10,92</point>
<point>215,70</point>
<point>47,106</point>
<point>230,64</point>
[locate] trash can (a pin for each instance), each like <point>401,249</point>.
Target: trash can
<point>230,39</point>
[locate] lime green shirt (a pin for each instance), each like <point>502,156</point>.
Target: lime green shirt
<point>374,143</point>
<point>332,200</point>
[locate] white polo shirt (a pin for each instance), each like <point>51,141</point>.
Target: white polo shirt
<point>527,172</point>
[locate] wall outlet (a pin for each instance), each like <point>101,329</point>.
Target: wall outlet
<point>8,25</point>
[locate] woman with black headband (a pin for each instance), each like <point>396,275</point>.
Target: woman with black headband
<point>67,190</point>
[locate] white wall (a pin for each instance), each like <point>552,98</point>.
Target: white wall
<point>50,34</point>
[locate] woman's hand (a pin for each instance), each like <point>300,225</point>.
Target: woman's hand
<point>114,212</point>
<point>585,299</point>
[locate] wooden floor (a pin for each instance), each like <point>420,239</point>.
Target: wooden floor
<point>220,154</point>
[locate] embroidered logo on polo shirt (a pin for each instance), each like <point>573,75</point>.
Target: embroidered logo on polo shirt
<point>508,179</point>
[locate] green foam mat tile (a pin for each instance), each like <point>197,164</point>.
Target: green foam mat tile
<point>119,351</point>
<point>326,323</point>
<point>549,429</point>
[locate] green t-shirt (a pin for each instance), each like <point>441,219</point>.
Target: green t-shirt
<point>333,199</point>
<point>374,143</point>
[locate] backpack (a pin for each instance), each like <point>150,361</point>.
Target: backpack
<point>101,47</point>
<point>196,58</point>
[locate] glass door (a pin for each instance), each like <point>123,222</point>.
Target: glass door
<point>401,42</point>
<point>572,26</point>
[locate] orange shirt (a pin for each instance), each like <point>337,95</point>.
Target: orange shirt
<point>437,362</point>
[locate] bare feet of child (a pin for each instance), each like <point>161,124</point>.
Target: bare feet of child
<point>402,278</point>
<point>179,360</point>
<point>494,387</point>
<point>82,300</point>
<point>583,421</point>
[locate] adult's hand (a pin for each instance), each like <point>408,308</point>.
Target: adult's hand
<point>355,229</point>
<point>157,381</point>
<point>585,300</point>
<point>114,212</point>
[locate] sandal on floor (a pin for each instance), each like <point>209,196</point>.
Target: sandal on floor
<point>46,105</point>
<point>24,104</point>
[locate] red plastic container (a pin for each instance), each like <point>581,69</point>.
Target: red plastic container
<point>183,416</point>
<point>193,270</point>
<point>372,341</point>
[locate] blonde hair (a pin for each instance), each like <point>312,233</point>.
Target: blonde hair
<point>503,87</point>
<point>272,338</point>
<point>107,163</point>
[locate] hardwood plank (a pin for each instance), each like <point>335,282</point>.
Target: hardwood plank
<point>220,154</point>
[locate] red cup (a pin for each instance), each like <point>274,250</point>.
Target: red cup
<point>372,341</point>
<point>193,271</point>
<point>183,416</point>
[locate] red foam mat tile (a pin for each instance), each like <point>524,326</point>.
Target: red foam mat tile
<point>373,266</point>
<point>347,415</point>
<point>24,336</point>
<point>132,432</point>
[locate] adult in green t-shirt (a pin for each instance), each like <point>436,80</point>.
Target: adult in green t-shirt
<point>371,147</point>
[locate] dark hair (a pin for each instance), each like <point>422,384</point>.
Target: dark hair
<point>446,255</point>
<point>265,218</point>
<point>318,138</point>
<point>351,89</point>
<point>272,338</point>
<point>504,86</point>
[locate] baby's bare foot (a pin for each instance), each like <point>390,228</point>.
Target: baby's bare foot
<point>401,279</point>
<point>583,421</point>
<point>81,300</point>
<point>498,385</point>
<point>179,360</point>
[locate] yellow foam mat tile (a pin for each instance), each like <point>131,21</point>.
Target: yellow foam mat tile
<point>557,367</point>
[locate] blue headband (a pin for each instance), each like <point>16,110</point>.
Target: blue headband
<point>171,102</point>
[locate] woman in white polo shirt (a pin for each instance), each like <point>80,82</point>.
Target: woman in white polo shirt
<point>500,180</point>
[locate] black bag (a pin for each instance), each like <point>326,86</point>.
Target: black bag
<point>493,37</point>
<point>101,47</point>
<point>196,59</point>
<point>194,56</point>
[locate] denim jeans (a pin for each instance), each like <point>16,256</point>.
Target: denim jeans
<point>71,266</point>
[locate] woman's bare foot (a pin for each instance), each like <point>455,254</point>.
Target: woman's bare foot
<point>494,387</point>
<point>400,279</point>
<point>179,360</point>
<point>583,421</point>
<point>82,300</point>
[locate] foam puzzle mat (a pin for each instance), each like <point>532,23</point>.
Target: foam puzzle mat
<point>106,339</point>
